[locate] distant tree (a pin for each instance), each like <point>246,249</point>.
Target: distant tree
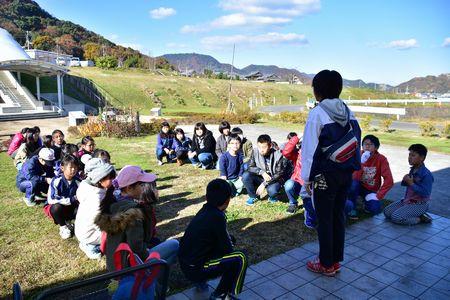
<point>131,62</point>
<point>51,31</point>
<point>208,73</point>
<point>43,42</point>
<point>91,51</point>
<point>66,43</point>
<point>106,62</point>
<point>163,63</point>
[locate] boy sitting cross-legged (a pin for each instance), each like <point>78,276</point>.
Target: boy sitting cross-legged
<point>231,165</point>
<point>206,249</point>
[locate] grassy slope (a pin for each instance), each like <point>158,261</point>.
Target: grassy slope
<point>34,255</point>
<point>128,86</point>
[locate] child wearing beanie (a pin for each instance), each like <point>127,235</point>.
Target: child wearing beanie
<point>95,188</point>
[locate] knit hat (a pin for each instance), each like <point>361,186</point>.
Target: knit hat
<point>97,169</point>
<point>132,174</point>
<point>48,155</point>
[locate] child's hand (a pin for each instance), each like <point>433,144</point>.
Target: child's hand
<point>408,179</point>
<point>266,176</point>
<point>166,150</point>
<point>48,180</point>
<point>223,177</point>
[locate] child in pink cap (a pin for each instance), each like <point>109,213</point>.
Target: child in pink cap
<point>130,218</point>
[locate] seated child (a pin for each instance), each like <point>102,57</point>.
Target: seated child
<point>130,218</point>
<point>372,181</point>
<point>293,186</point>
<point>268,170</point>
<point>203,150</point>
<point>90,193</point>
<point>35,175</point>
<point>27,149</point>
<point>412,208</point>
<point>57,142</point>
<point>46,143</point>
<point>102,154</point>
<point>165,145</point>
<point>288,138</point>
<point>16,141</point>
<point>61,197</point>
<point>246,146</point>
<point>66,149</point>
<point>206,249</point>
<point>87,146</point>
<point>182,146</point>
<point>231,165</point>
<point>222,140</point>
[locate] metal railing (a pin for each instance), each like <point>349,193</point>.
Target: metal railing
<point>7,91</point>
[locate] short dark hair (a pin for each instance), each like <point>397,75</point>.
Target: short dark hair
<point>224,125</point>
<point>70,159</point>
<point>47,141</point>
<point>373,139</point>
<point>24,130</point>
<point>200,125</point>
<point>69,148</point>
<point>264,138</point>
<point>291,135</point>
<point>218,192</point>
<point>327,84</point>
<point>179,130</point>
<point>237,130</point>
<point>234,136</point>
<point>37,129</point>
<point>87,139</point>
<point>419,148</point>
<point>57,131</point>
<point>165,124</point>
<point>102,154</point>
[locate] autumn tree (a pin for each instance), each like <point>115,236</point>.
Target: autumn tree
<point>43,42</point>
<point>91,51</point>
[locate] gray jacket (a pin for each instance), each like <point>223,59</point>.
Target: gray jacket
<point>222,144</point>
<point>279,167</point>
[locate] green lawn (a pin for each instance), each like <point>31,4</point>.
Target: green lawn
<point>34,255</point>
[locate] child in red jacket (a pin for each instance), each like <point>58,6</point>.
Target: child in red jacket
<point>372,181</point>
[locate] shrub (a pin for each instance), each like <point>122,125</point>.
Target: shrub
<point>427,129</point>
<point>386,124</point>
<point>446,130</point>
<point>92,127</point>
<point>215,118</point>
<point>365,122</point>
<point>106,62</point>
<point>292,117</point>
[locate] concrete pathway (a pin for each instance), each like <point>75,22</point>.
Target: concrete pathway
<point>438,163</point>
<point>382,261</point>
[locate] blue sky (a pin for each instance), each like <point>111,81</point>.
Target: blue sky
<point>383,41</point>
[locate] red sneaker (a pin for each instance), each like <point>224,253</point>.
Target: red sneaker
<point>337,267</point>
<point>316,267</point>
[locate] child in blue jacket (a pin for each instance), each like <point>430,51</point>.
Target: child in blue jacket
<point>182,146</point>
<point>165,146</point>
<point>35,176</point>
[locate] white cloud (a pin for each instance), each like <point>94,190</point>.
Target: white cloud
<point>290,8</point>
<point>194,28</point>
<point>446,42</point>
<point>403,44</point>
<point>162,12</point>
<point>241,19</point>
<point>176,46</point>
<point>271,38</point>
<point>134,46</point>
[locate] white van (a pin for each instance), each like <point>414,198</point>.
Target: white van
<point>75,62</point>
<point>60,61</point>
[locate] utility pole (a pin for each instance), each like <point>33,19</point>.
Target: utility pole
<point>27,40</point>
<point>229,105</point>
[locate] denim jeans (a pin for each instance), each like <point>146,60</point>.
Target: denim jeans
<point>160,153</point>
<point>206,159</point>
<point>168,250</point>
<point>236,185</point>
<point>292,189</point>
<point>252,181</point>
<point>356,190</point>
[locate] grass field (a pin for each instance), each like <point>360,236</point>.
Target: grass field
<point>139,88</point>
<point>34,255</point>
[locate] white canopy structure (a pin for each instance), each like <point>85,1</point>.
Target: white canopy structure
<point>14,58</point>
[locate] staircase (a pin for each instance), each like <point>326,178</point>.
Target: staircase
<point>29,116</point>
<point>10,90</point>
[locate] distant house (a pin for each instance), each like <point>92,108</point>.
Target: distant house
<point>296,80</point>
<point>254,76</point>
<point>270,78</point>
<point>188,73</point>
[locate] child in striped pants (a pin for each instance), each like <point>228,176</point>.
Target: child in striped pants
<point>412,209</point>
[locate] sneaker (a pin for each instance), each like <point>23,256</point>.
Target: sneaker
<point>197,165</point>
<point>273,200</point>
<point>250,201</point>
<point>353,215</point>
<point>292,209</point>
<point>316,267</point>
<point>337,267</point>
<point>215,296</point>
<point>160,163</point>
<point>201,287</point>
<point>308,223</point>
<point>425,218</point>
<point>65,232</point>
<point>180,162</point>
<point>40,198</point>
<point>29,202</point>
<point>231,297</point>
<point>91,251</point>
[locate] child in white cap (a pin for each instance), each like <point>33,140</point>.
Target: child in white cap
<point>96,187</point>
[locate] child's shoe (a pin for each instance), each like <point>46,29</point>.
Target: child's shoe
<point>425,218</point>
<point>316,267</point>
<point>273,200</point>
<point>250,201</point>
<point>309,222</point>
<point>337,267</point>
<point>65,232</point>
<point>91,251</point>
<point>292,209</point>
<point>29,202</point>
<point>160,163</point>
<point>353,215</point>
<point>180,162</point>
<point>40,198</point>
<point>214,295</point>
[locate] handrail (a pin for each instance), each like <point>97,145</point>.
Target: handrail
<point>7,91</point>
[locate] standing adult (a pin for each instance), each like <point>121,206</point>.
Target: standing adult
<point>330,154</point>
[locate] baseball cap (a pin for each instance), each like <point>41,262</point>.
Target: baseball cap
<point>48,155</point>
<point>132,174</point>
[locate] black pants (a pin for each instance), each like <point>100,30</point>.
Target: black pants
<point>63,213</point>
<point>182,154</point>
<point>232,267</point>
<point>329,203</point>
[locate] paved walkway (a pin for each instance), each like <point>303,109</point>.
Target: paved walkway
<point>382,261</point>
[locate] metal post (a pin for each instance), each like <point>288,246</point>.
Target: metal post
<point>19,78</point>
<point>38,88</point>
<point>58,84</point>
<point>290,99</point>
<point>62,90</point>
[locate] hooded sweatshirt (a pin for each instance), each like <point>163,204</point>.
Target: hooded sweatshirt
<point>327,123</point>
<point>290,152</point>
<point>89,197</point>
